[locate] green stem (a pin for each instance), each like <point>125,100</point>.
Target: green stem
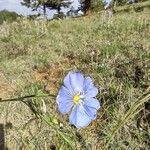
<point>26,97</point>
<point>39,115</point>
<point>57,130</point>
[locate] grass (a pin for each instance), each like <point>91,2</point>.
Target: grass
<point>36,55</point>
<point>137,7</point>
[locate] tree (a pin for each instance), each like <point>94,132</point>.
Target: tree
<point>26,3</point>
<point>51,4</point>
<point>86,6</point>
<point>91,5</point>
<point>97,5</point>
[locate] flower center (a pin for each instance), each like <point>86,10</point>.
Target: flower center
<point>76,99</point>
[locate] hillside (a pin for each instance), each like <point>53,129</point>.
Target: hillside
<point>36,55</point>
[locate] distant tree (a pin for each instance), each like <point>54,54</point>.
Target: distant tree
<point>26,3</point>
<point>91,5</point>
<point>43,4</point>
<point>86,6</point>
<point>97,5</point>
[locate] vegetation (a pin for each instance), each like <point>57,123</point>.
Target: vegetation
<point>7,16</point>
<point>36,55</point>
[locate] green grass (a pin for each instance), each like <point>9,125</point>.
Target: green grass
<point>34,58</point>
<point>137,7</point>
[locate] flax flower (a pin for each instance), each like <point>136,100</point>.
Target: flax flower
<point>77,97</point>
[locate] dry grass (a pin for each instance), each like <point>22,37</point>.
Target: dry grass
<point>35,56</point>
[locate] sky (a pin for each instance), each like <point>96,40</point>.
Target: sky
<point>15,5</point>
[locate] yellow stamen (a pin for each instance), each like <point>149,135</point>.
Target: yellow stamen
<point>76,99</point>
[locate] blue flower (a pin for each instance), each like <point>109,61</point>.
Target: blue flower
<point>76,97</point>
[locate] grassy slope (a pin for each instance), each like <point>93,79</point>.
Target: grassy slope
<point>37,55</point>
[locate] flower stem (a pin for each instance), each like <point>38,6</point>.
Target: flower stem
<point>48,122</point>
<point>69,142</point>
<point>26,97</point>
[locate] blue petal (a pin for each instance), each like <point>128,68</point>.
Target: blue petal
<point>89,89</point>
<point>92,102</point>
<point>91,106</point>
<point>78,117</point>
<point>91,112</point>
<point>64,100</point>
<point>74,82</point>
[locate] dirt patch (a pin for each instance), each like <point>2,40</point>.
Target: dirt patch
<point>6,87</point>
<point>51,75</point>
